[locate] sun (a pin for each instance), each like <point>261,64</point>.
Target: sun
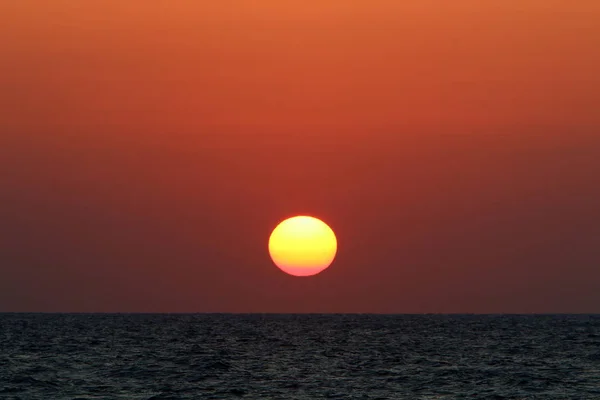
<point>302,246</point>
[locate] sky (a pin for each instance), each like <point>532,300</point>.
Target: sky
<point>149,148</point>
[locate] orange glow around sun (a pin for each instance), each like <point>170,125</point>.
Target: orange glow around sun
<point>302,246</point>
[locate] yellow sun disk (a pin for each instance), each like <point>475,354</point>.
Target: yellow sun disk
<point>301,250</point>
<point>302,246</point>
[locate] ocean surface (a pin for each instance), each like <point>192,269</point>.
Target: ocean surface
<point>255,356</point>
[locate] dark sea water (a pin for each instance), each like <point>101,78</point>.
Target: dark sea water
<point>217,356</point>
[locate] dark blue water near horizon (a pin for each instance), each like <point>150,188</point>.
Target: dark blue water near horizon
<point>299,356</point>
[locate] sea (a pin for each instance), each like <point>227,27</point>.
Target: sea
<point>299,356</point>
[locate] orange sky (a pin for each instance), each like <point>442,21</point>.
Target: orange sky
<point>148,148</point>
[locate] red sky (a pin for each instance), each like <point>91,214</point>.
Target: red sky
<point>147,150</point>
